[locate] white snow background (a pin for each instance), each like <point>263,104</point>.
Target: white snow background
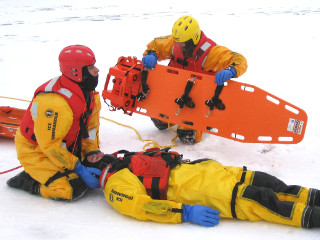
<point>279,38</point>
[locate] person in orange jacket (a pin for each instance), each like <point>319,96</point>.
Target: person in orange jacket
<point>60,129</point>
<point>190,49</point>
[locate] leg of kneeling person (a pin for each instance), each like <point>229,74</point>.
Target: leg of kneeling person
<point>68,188</point>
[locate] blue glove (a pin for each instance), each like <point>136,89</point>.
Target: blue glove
<point>203,215</point>
<point>150,60</point>
<point>86,174</point>
<point>225,75</point>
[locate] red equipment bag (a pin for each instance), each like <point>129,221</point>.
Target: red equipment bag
<point>152,167</point>
<point>126,84</point>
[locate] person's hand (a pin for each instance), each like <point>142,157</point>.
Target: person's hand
<point>95,157</point>
<point>150,60</point>
<point>203,215</point>
<point>87,175</point>
<point>225,75</point>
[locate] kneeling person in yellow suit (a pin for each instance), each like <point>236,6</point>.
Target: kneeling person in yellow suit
<point>60,129</point>
<point>204,191</point>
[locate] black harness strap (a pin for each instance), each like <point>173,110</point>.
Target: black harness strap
<point>83,132</point>
<point>235,191</point>
<point>83,128</point>
<point>58,175</point>
<point>233,199</point>
<point>183,62</point>
<point>155,188</point>
<point>215,101</point>
<point>177,210</point>
<point>185,99</point>
<point>120,164</point>
<point>85,118</point>
<point>128,66</point>
<point>243,176</point>
<point>145,88</point>
<point>33,137</point>
<point>144,77</point>
<point>199,53</point>
<point>172,162</point>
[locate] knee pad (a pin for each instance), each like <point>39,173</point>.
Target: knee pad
<point>159,124</point>
<point>78,188</point>
<point>189,136</point>
<point>66,188</point>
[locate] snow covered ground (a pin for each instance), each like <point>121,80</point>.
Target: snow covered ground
<point>279,38</point>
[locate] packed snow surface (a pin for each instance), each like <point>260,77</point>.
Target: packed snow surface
<point>279,38</point>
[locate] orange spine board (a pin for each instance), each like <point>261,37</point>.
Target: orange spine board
<point>252,115</point>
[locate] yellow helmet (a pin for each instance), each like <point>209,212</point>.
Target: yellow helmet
<point>186,28</point>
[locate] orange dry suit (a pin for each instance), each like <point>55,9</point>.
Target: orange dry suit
<point>208,57</point>
<point>234,191</point>
<point>59,128</point>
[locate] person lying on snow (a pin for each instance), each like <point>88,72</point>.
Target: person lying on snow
<point>160,186</point>
<point>59,129</point>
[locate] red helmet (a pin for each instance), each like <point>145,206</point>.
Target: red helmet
<point>73,58</point>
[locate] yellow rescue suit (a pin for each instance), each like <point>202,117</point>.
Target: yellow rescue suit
<point>234,191</point>
<point>51,155</point>
<point>217,59</point>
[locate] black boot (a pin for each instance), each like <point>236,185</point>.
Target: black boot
<point>187,136</point>
<point>314,197</point>
<point>159,124</point>
<point>315,217</point>
<point>25,182</point>
<point>311,217</point>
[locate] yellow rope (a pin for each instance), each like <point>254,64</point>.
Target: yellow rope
<point>18,99</point>
<point>149,144</point>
